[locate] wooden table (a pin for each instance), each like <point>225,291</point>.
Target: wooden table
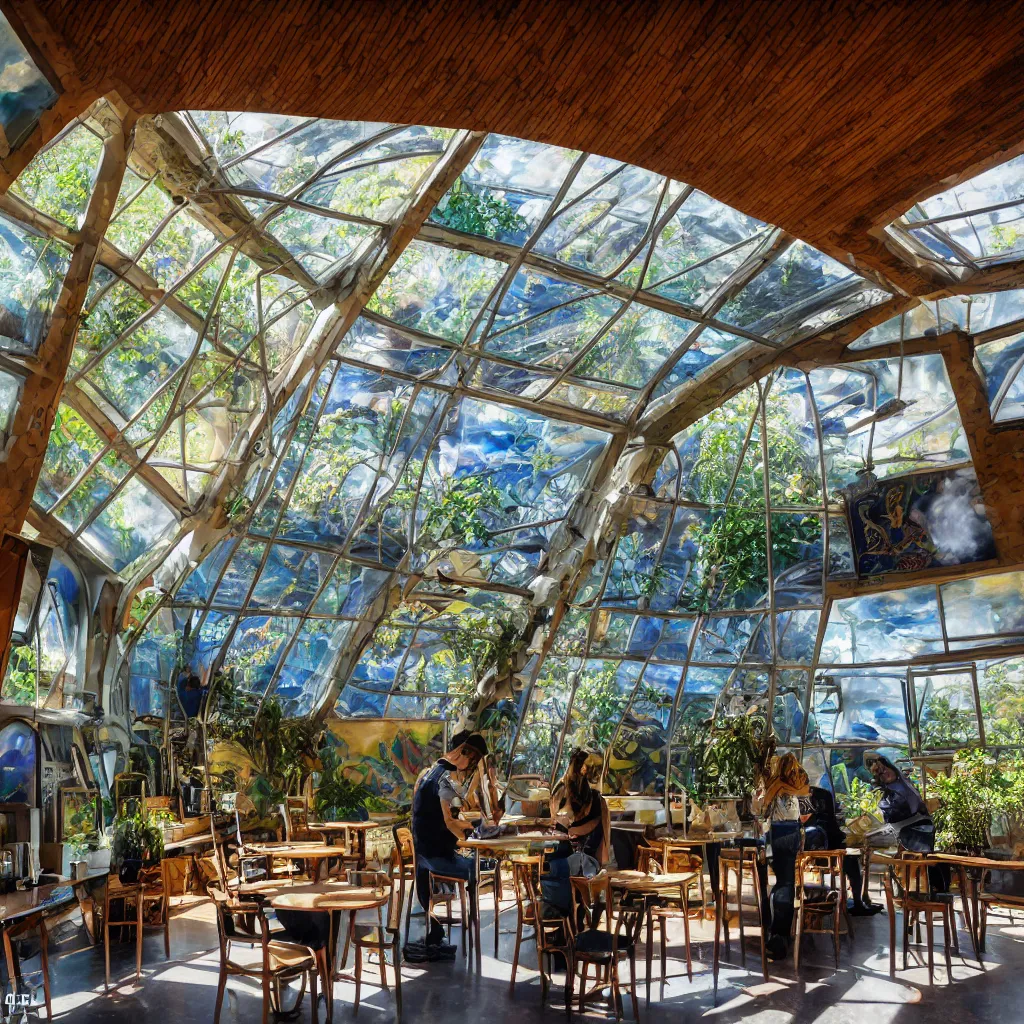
<point>499,845</point>
<point>23,910</point>
<point>348,828</point>
<point>971,873</point>
<point>926,859</point>
<point>315,852</point>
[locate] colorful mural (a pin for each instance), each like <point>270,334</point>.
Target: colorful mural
<point>387,755</point>
<point>920,522</point>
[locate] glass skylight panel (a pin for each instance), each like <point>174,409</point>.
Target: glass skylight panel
<point>129,525</point>
<point>1003,365</point>
<point>602,228</point>
<point>799,283</point>
<point>702,243</point>
<point>26,93</point>
<point>436,290</point>
<point>977,221</point>
<point>506,190</point>
<point>888,418</point>
<point>59,180</point>
<point>32,270</point>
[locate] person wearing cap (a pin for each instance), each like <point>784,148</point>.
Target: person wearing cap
<point>437,829</point>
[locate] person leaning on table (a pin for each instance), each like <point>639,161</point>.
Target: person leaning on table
<point>436,828</point>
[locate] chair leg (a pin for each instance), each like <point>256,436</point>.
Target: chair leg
<point>931,947</point>
<point>686,938</point>
<point>314,1000</point>
<point>717,950</point>
<point>358,953</point>
<point>515,954</point>
<point>835,934</point>
<point>398,981</point>
<point>221,984</point>
<point>983,931</point>
<point>649,955</point>
<point>266,999</point>
<point>739,911</point>
<point>138,937</point>
<point>725,903</point>
<point>383,958</point>
<point>570,981</point>
<point>583,987</point>
<point>497,909</point>
<point>632,980</point>
<point>44,963</point>
<point>907,925</point>
<point>462,911</point>
<point>663,944</point>
<point>892,941</point>
<point>106,948</point>
<point>167,923</point>
<point>946,930</point>
<point>799,935</point>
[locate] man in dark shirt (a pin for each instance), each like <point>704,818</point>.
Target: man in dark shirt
<point>436,830</point>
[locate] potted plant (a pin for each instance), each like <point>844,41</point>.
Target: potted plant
<point>137,842</point>
<point>338,798</point>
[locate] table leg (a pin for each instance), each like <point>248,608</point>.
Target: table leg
<point>475,912</point>
<point>361,846</point>
<point>865,882</point>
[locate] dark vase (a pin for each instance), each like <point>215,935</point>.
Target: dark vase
<point>128,872</point>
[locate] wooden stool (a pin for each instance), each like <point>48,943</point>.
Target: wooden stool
<point>152,886</point>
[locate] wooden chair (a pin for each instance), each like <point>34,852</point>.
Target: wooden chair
<point>820,906</point>
<point>273,961</point>
<point>739,861</point>
<point>404,863</point>
<point>295,814</point>
<point>907,889</point>
<point>988,901</point>
<point>379,938</point>
<point>663,909</point>
<point>551,934</point>
<point>604,947</point>
<point>14,974</point>
<point>444,891</point>
<point>152,887</point>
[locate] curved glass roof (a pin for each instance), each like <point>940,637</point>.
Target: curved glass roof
<point>355,410</point>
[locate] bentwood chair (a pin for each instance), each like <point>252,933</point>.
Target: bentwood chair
<point>663,909</point>
<point>385,935</point>
<point>404,863</point>
<point>820,899</point>
<point>603,946</point>
<point>273,961</point>
<point>907,889</point>
<point>550,933</point>
<point>152,888</point>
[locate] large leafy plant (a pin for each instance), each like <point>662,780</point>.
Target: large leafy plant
<point>338,797</point>
<point>137,836</point>
<point>727,755</point>
<point>977,788</point>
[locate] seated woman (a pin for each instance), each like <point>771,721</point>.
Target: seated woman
<point>823,816</point>
<point>779,804</point>
<point>582,813</point>
<point>905,812</point>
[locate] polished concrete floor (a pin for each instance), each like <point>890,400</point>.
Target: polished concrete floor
<point>183,988</point>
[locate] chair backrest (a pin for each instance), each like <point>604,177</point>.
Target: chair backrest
<point>586,896</point>
<point>681,858</point>
<point>404,845</point>
<point>295,814</point>
<point>645,858</point>
<point>820,863</point>
<point>526,872</point>
<point>383,881</point>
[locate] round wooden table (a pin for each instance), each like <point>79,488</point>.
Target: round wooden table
<point>499,845</point>
<point>350,828</point>
<point>315,853</point>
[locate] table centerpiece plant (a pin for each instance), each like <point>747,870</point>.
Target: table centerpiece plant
<point>137,842</point>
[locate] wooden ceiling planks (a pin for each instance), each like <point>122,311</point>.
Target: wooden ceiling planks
<point>820,117</point>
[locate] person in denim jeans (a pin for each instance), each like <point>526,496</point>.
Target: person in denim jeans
<point>436,829</point>
<point>780,804</point>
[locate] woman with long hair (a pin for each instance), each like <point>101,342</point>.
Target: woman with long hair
<point>778,799</point>
<point>581,810</point>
